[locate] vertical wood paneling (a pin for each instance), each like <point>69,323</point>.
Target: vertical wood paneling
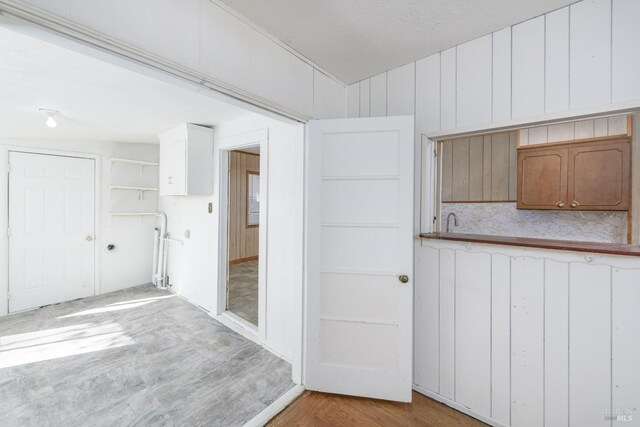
<point>447,170</point>
<point>378,95</point>
<point>556,338</point>
<point>401,90</point>
<point>480,168</point>
<point>243,241</point>
<point>501,84</point>
<point>353,100</point>
<point>618,125</point>
<point>561,132</point>
<point>447,323</point>
<point>473,82</point>
<point>527,342</point>
<point>590,344</point>
<point>538,135</point>
<point>427,323</point>
<point>500,166</point>
<point>600,127</point>
<point>590,53</point>
<point>513,165</point>
<point>626,345</point>
<point>486,161</point>
<point>473,331</point>
<point>461,169</point>
<point>428,94</point>
<point>476,167</point>
<point>448,89</point>
<point>500,338</point>
<point>528,68</point>
<point>584,129</point>
<point>625,65</point>
<point>365,97</point>
<point>557,61</point>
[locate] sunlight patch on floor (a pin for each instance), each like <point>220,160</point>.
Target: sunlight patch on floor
<point>37,346</point>
<point>124,305</point>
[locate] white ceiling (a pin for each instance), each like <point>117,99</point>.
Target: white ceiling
<point>97,101</point>
<point>356,39</point>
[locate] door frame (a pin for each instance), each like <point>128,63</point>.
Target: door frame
<point>224,146</point>
<point>4,214</point>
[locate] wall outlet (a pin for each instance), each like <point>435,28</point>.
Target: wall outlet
<point>187,234</point>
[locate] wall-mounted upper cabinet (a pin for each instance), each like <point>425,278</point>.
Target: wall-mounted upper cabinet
<point>186,161</point>
<point>576,176</point>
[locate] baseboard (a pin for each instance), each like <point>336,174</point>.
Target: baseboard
<point>458,407</point>
<point>241,260</point>
<point>276,407</point>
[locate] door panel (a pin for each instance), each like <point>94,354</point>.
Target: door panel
<point>599,176</point>
<point>51,221</point>
<point>359,241</point>
<point>542,179</point>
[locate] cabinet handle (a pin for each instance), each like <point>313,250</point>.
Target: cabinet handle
<point>575,204</point>
<point>560,204</point>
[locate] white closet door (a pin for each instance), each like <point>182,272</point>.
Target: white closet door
<point>51,223</point>
<point>359,245</point>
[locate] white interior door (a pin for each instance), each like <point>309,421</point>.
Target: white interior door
<point>51,223</point>
<point>359,244</point>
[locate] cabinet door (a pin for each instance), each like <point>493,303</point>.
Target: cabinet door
<point>599,176</point>
<point>542,178</point>
<point>173,167</point>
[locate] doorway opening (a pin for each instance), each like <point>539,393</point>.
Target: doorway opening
<point>243,249</point>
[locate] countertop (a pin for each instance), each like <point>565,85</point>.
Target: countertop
<point>561,245</point>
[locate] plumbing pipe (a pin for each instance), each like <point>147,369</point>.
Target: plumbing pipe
<point>161,255</point>
<point>156,241</point>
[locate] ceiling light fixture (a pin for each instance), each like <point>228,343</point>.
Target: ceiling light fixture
<point>51,121</point>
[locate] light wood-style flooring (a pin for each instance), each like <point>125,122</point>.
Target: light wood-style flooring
<point>243,290</point>
<point>136,357</point>
<point>322,409</point>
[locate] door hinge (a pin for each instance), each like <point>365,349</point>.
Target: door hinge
<point>8,232</point>
<point>435,153</point>
<point>435,218</point>
<point>9,169</point>
<point>8,295</point>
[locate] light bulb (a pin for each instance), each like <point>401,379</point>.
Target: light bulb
<point>51,122</point>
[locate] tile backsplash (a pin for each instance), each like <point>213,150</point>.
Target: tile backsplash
<point>504,219</point>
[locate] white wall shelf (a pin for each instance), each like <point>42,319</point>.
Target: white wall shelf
<point>133,162</point>
<point>140,163</point>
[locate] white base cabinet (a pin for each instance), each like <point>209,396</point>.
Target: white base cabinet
<point>186,161</point>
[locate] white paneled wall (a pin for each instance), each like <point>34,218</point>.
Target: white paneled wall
<point>205,38</point>
<point>579,59</point>
<point>527,337</point>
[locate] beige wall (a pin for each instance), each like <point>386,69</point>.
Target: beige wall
<point>479,168</point>
<point>243,240</point>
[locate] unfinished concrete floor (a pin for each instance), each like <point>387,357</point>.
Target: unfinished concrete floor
<point>140,356</point>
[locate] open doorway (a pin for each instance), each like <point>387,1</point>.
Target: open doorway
<point>243,234</point>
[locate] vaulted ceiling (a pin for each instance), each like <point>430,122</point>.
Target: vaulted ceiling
<point>356,39</point>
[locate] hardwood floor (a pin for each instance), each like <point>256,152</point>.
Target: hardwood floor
<point>321,409</point>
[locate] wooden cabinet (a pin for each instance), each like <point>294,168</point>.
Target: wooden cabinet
<point>186,161</point>
<point>576,176</point>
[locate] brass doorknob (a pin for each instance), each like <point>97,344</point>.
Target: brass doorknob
<point>404,278</point>
<point>89,238</point>
<point>560,204</point>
